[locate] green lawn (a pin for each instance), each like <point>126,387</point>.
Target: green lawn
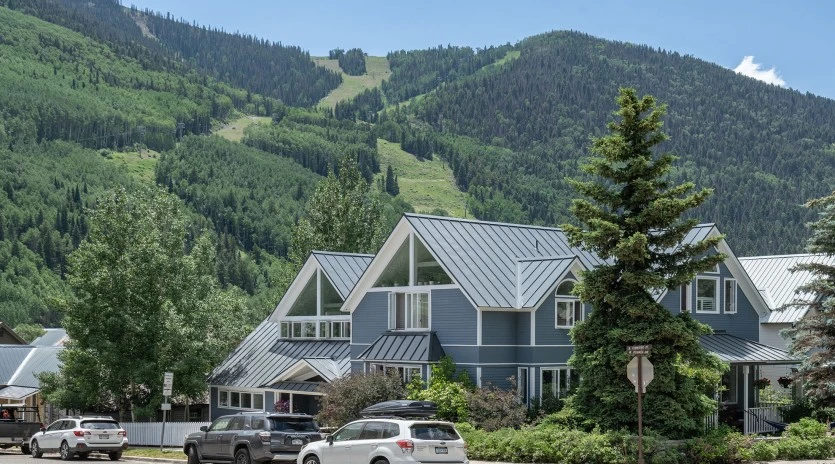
<point>138,165</point>
<point>168,453</point>
<point>234,130</point>
<point>427,185</point>
<point>377,70</point>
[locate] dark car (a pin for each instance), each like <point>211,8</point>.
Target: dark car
<point>252,437</point>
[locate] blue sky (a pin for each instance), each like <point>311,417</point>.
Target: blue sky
<point>793,40</point>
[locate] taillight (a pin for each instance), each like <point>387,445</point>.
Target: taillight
<point>122,433</point>
<point>80,433</point>
<point>406,446</point>
<point>264,436</point>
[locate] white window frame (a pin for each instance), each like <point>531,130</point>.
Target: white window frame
<point>527,375</point>
<point>571,300</point>
<point>411,316</point>
<point>716,292</point>
<point>733,305</point>
<point>405,371</point>
<point>714,270</point>
<point>289,325</point>
<point>559,372</point>
<point>240,394</point>
<point>686,297</point>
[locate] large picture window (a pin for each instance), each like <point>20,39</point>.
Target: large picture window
<point>240,400</point>
<point>569,308</point>
<point>556,381</point>
<point>408,311</point>
<point>707,295</point>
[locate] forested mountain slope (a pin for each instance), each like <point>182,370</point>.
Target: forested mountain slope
<point>765,149</point>
<point>266,68</point>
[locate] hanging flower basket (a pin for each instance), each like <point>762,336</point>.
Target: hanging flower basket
<point>762,383</point>
<point>282,406</point>
<point>785,381</point>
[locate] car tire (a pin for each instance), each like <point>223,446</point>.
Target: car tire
<point>242,456</point>
<point>114,455</point>
<point>24,449</point>
<point>193,458</point>
<point>83,455</point>
<point>310,459</point>
<point>66,453</point>
<point>35,450</point>
<point>381,461</point>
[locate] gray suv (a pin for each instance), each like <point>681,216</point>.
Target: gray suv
<point>250,437</point>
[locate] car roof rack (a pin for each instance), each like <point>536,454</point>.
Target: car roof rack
<point>401,409</point>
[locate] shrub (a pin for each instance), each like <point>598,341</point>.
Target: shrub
<point>763,451</point>
<point>719,446</point>
<point>799,448</point>
<point>492,408</point>
<point>806,429</point>
<point>346,397</point>
<point>451,398</point>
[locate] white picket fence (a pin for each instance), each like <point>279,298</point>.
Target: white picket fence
<point>149,433</point>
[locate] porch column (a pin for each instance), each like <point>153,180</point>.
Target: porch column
<point>745,427</point>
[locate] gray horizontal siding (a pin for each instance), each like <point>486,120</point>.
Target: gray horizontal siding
<point>370,318</point>
<point>454,318</point>
<point>523,328</point>
<point>499,328</point>
<point>544,354</point>
<point>497,376</point>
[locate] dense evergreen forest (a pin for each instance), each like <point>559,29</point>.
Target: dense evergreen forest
<point>352,62</point>
<point>161,42</point>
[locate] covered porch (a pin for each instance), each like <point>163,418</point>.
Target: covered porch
<point>740,404</point>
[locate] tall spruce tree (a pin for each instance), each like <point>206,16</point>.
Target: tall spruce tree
<point>632,217</point>
<point>813,337</point>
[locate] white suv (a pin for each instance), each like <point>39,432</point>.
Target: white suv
<point>80,436</point>
<point>388,441</point>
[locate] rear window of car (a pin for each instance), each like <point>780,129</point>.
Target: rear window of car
<point>434,432</point>
<point>99,425</point>
<point>293,424</point>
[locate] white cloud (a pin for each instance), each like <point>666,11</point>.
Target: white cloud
<point>748,68</point>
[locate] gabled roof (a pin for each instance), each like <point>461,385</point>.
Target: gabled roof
<point>737,350</point>
<point>20,364</point>
<point>400,346</point>
<point>262,356</point>
<point>11,357</point>
<point>10,333</point>
<point>17,393</point>
<point>52,337</point>
<point>536,275</point>
<point>777,284</point>
<point>482,256</point>
<point>342,269</point>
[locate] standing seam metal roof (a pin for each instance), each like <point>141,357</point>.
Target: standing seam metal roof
<point>536,275</point>
<point>11,357</point>
<point>343,269</point>
<point>737,350</point>
<point>52,337</point>
<point>262,356</point>
<point>777,284</point>
<point>417,347</point>
<point>42,359</point>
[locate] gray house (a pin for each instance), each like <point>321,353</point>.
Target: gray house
<point>497,299</point>
<point>303,343</point>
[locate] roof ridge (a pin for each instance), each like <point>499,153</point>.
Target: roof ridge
<point>783,256</point>
<point>546,258</point>
<point>478,221</point>
<point>341,253</point>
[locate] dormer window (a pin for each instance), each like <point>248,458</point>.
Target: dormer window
<point>569,308</point>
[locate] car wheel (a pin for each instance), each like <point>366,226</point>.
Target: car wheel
<point>24,449</point>
<point>193,458</point>
<point>35,449</point>
<point>242,456</point>
<point>83,455</point>
<point>311,459</point>
<point>381,461</point>
<point>115,455</point>
<point>66,454</point>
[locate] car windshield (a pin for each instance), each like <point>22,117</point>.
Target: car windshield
<point>293,424</point>
<point>99,425</point>
<point>434,432</point>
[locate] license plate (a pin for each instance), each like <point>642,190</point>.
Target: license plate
<point>297,442</point>
<point>104,437</point>
<point>441,450</point>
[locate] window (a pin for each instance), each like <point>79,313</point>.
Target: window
<point>556,381</point>
<point>408,311</point>
<point>685,297</point>
<point>307,329</point>
<point>730,296</point>
<point>707,289</point>
<point>240,400</point>
<point>258,423</point>
<point>349,432</point>
<point>220,424</point>
<point>407,373</point>
<point>569,309</point>
<point>729,385</point>
<point>237,423</point>
<point>524,385</point>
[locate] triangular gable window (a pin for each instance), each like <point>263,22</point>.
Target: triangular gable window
<point>396,273</point>
<point>305,304</point>
<point>331,301</point>
<point>428,271</point>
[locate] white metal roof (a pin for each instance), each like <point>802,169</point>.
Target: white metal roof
<point>777,284</point>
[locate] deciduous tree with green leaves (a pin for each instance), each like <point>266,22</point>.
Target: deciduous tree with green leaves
<point>143,305</point>
<point>813,336</point>
<point>342,216</point>
<point>631,216</point>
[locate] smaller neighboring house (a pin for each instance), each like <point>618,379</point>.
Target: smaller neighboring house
<point>8,336</point>
<point>20,364</point>
<point>777,284</point>
<point>304,342</point>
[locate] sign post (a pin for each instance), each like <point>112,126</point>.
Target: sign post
<point>167,385</point>
<point>640,372</point>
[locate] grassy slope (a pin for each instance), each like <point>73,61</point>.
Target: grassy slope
<point>234,130</point>
<point>426,185</point>
<point>140,166</point>
<point>377,70</point>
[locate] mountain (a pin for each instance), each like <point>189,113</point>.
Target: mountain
<point>514,130</point>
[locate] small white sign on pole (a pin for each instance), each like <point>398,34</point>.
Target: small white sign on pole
<point>165,406</point>
<point>167,383</point>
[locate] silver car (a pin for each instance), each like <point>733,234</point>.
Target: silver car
<point>80,436</point>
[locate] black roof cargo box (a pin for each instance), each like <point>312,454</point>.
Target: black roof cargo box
<point>401,408</point>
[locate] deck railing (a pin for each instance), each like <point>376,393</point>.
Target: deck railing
<point>756,419</point>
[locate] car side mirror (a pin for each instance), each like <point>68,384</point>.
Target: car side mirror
<point>329,439</point>
<point>43,429</point>
<point>204,428</point>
